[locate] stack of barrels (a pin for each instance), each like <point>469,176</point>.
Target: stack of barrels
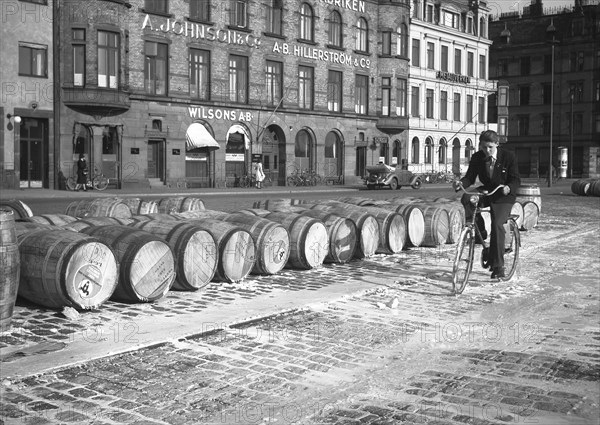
<point>586,187</point>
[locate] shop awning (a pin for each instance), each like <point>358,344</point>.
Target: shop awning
<point>197,136</point>
<point>242,130</point>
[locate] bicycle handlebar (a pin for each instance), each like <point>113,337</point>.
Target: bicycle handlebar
<point>484,193</point>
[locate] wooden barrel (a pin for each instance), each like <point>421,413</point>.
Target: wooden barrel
<point>581,187</point>
<point>195,249</point>
<point>53,219</point>
<point>179,204</point>
<point>392,229</point>
<point>595,188</point>
<point>456,216</point>
<point>138,206</point>
<point>366,224</point>
<point>309,243</point>
<point>530,193</point>
<point>9,267</point>
<point>437,226</point>
<point>517,209</point>
<point>146,262</point>
<point>84,223</point>
<point>61,268</point>
<point>23,227</point>
<point>414,222</point>
<point>272,204</point>
<point>235,246</point>
<point>255,211</point>
<point>363,202</point>
<point>341,232</point>
<point>531,214</point>
<point>154,216</point>
<point>19,208</point>
<point>99,207</point>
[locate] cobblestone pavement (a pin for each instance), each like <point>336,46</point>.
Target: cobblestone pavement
<point>378,341</point>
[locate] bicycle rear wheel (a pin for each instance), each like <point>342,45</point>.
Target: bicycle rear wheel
<point>463,261</point>
<point>100,182</point>
<point>71,183</point>
<point>512,243</point>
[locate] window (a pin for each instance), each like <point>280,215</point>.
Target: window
<point>362,35</point>
<point>457,61</point>
<point>238,13</point>
<point>429,13</point>
<point>274,82</point>
<point>456,106</point>
<point>576,61</point>
<point>482,66</point>
<point>443,105</point>
<point>469,108</point>
<point>502,67</point>
<point>331,145</point>
<point>547,64</point>
<point>156,6</point>
<point>470,64</point>
<point>545,124</point>
<point>578,123</point>
<point>386,43</point>
<point>415,150</point>
<point>335,29</point>
<point>430,56</point>
<point>302,146</point>
<point>200,10</point>
<point>547,93</point>
<point>523,125</point>
<point>524,95</point>
<point>109,140</point>
<point>468,147</point>
<point>502,130</point>
<point>452,20</point>
<point>470,28</point>
<point>361,99</point>
<point>416,52</point>
<point>480,109</point>
<point>428,149</point>
<point>108,59</point>
<point>442,151</point>
<point>33,60</point>
<point>402,42</point>
<point>200,74</point>
<point>334,91</point>
<point>525,65</point>
<point>238,79</point>
<point>386,95</point>
<point>576,88</point>
<point>414,101</point>
<point>155,68</point>
<point>78,36</point>
<point>306,84</point>
<point>429,103</point>
<point>401,97</point>
<point>275,17</point>
<point>306,23</point>
<point>444,58</point>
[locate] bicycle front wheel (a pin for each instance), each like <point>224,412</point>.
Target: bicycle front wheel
<point>512,242</point>
<point>463,261</point>
<point>100,182</point>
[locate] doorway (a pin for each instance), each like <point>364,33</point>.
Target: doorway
<point>156,159</point>
<point>33,145</point>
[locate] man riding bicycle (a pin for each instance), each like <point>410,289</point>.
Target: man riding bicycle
<point>494,167</point>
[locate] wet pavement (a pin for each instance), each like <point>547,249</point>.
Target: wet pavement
<point>376,341</point>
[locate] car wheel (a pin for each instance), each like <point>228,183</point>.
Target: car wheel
<point>394,184</point>
<point>370,186</point>
<point>417,184</point>
<point>399,187</point>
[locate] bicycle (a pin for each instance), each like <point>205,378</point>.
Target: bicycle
<point>99,181</point>
<point>250,181</point>
<point>465,248</point>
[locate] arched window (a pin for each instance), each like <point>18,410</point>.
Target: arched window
<point>415,150</point>
<point>362,35</point>
<point>402,43</point>
<point>306,22</point>
<point>331,145</point>
<point>468,148</point>
<point>335,29</point>
<point>428,149</point>
<point>302,148</point>
<point>443,151</point>
<point>396,153</point>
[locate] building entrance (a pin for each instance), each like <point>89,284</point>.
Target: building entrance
<point>33,146</point>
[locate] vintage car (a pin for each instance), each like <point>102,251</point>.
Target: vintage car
<point>383,175</point>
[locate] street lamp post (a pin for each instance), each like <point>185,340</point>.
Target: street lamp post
<point>551,31</point>
<point>571,128</point>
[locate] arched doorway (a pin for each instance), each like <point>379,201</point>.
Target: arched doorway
<point>304,151</point>
<point>456,157</point>
<point>415,158</point>
<point>237,146</point>
<point>199,155</point>
<point>273,154</point>
<point>333,165</point>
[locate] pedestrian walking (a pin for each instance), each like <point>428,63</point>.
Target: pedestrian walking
<point>259,174</point>
<point>82,173</point>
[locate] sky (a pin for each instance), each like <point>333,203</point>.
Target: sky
<point>503,6</point>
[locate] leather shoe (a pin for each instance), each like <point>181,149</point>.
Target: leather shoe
<point>498,273</point>
<point>485,262</point>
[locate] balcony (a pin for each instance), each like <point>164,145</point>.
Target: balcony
<point>96,101</point>
<point>392,125</point>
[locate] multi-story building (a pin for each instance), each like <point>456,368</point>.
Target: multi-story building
<point>163,92</point>
<point>448,84</point>
<point>27,124</point>
<point>551,62</point>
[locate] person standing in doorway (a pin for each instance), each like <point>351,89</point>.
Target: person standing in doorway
<point>259,174</point>
<point>82,173</point>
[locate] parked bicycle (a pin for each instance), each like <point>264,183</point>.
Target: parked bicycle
<point>304,178</point>
<point>250,181</point>
<point>465,249</point>
<point>97,181</point>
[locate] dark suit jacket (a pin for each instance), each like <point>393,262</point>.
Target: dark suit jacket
<point>505,172</point>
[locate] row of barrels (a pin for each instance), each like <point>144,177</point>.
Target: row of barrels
<point>586,187</point>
